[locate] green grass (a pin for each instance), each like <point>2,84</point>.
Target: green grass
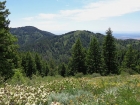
<point>111,90</point>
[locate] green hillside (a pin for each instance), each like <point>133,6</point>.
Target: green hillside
<point>58,46</point>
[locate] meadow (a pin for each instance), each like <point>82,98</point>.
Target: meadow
<point>110,90</point>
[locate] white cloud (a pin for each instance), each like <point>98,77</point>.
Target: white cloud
<point>69,12</point>
<point>50,25</point>
<point>28,18</point>
<point>46,16</point>
<point>95,11</point>
<point>70,19</point>
<point>103,9</point>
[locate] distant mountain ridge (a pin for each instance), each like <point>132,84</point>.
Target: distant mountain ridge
<point>58,46</point>
<point>29,29</point>
<point>29,34</point>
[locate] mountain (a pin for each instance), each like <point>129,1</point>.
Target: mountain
<point>29,34</point>
<point>59,47</point>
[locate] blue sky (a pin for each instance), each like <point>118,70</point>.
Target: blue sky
<point>60,16</point>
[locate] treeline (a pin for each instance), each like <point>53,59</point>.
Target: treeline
<point>103,58</point>
<point>58,47</point>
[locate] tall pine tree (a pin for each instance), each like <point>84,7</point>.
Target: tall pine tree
<point>129,58</point>
<point>39,65</point>
<point>51,65</point>
<point>109,54</point>
<point>7,46</point>
<point>77,63</point>
<point>30,65</point>
<point>93,61</point>
<point>62,70</point>
<point>45,69</point>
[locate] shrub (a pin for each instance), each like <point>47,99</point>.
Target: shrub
<point>1,80</point>
<point>138,69</point>
<point>96,75</point>
<point>128,71</point>
<point>79,75</point>
<point>18,77</point>
<point>78,98</point>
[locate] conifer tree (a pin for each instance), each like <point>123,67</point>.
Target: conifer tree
<point>17,60</point>
<point>51,65</point>
<point>31,66</point>
<point>93,61</point>
<point>39,65</point>
<point>7,46</point>
<point>62,70</point>
<point>77,63</point>
<point>24,62</point>
<point>109,54</point>
<point>45,69</point>
<point>129,58</point>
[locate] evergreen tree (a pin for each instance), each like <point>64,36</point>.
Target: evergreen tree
<point>77,63</point>
<point>51,65</point>
<point>62,70</point>
<point>39,65</point>
<point>17,60</point>
<point>94,57</point>
<point>109,54</point>
<point>45,69</point>
<point>24,62</point>
<point>30,64</point>
<point>129,58</point>
<point>137,61</point>
<point>7,46</point>
<point>120,57</point>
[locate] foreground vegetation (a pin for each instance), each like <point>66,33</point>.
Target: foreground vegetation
<point>111,90</point>
<point>26,78</point>
<point>103,57</point>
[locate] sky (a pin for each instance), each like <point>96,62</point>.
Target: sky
<point>61,16</point>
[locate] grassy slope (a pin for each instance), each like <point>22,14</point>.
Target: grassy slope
<point>113,90</point>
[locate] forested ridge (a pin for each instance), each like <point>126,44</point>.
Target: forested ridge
<point>76,68</point>
<point>55,52</point>
<point>79,52</point>
<point>55,46</point>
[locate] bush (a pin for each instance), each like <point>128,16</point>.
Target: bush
<point>58,76</point>
<point>138,69</point>
<point>79,75</point>
<point>70,99</point>
<point>1,80</point>
<point>18,77</point>
<point>112,74</point>
<point>127,71</point>
<point>96,75</point>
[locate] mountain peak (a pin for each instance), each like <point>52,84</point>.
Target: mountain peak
<point>30,30</point>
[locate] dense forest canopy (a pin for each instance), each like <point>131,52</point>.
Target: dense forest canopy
<point>56,46</point>
<point>43,53</point>
<point>7,46</point>
<point>76,68</point>
<point>57,55</point>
